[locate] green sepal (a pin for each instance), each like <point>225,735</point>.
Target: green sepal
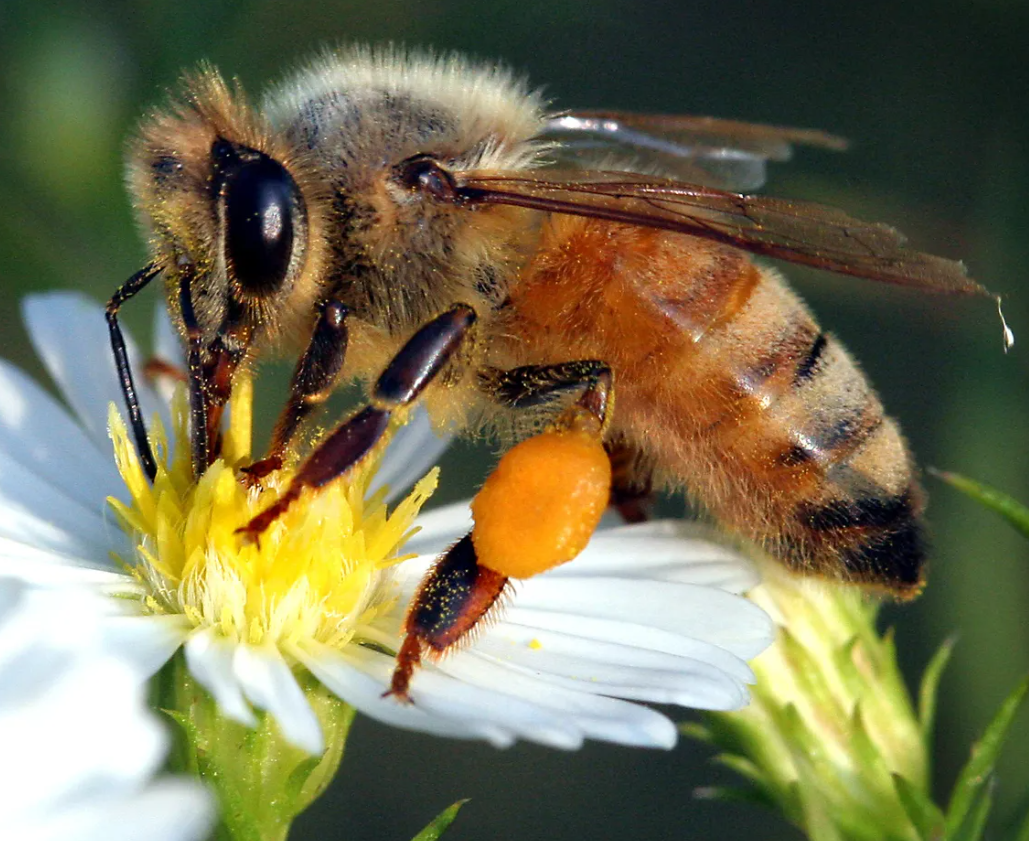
<point>439,824</point>
<point>1007,506</point>
<point>733,794</point>
<point>974,824</point>
<point>978,771</point>
<point>928,690</point>
<point>921,811</point>
<point>742,766</point>
<point>810,678</point>
<point>696,730</point>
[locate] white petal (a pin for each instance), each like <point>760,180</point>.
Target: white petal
<point>269,685</point>
<point>168,347</point>
<point>147,641</point>
<point>440,695</point>
<point>209,658</point>
<point>11,590</point>
<point>598,717</point>
<point>683,684</point>
<point>359,687</point>
<point>519,623</point>
<point>627,671</point>
<point>48,566</point>
<point>118,746</point>
<point>663,550</point>
<point>23,487</point>
<point>75,726</point>
<point>412,453</point>
<point>37,432</point>
<point>30,512</point>
<point>69,332</point>
<point>169,810</point>
<point>726,620</point>
<point>167,342</point>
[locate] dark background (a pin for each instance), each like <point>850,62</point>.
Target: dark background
<point>935,96</point>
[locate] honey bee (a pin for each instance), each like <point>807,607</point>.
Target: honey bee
<point>422,225</point>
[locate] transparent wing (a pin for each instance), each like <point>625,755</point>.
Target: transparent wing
<point>796,231</point>
<point>727,154</point>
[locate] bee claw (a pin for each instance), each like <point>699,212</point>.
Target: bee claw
<point>249,534</point>
<point>400,697</point>
<point>251,475</point>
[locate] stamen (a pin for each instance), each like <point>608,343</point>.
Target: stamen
<point>318,574</point>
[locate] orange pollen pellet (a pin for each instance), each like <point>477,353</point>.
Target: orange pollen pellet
<point>542,503</point>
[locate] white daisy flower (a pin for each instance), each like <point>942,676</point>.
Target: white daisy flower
<point>644,614</point>
<point>80,746</point>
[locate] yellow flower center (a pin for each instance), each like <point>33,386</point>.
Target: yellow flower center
<point>315,575</point>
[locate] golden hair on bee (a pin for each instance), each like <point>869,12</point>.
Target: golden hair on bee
<point>421,224</point>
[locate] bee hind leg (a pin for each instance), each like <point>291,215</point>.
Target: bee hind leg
<point>535,385</point>
<point>537,509</point>
<point>455,596</point>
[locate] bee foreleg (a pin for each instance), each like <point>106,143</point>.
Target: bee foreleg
<point>409,372</point>
<point>314,378</point>
<point>121,360</point>
<point>538,509</point>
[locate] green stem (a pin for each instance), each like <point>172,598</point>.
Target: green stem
<point>261,781</point>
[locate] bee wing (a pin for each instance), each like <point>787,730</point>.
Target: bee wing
<point>704,150</point>
<point>796,231</point>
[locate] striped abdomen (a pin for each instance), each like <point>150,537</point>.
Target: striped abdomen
<point>725,380</point>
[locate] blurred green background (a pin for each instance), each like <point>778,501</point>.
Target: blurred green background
<point>935,96</point>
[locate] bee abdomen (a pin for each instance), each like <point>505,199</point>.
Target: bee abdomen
<point>845,495</point>
<point>805,461</point>
<point>878,540</point>
<point>726,386</point>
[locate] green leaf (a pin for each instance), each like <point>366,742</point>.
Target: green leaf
<point>929,688</point>
<point>972,826</point>
<point>976,774</point>
<point>439,824</point>
<point>1007,506</point>
<point>923,813</point>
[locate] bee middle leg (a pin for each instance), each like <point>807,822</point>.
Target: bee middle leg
<point>407,375</point>
<point>632,491</point>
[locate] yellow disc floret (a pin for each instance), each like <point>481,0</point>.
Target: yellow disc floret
<point>315,573</point>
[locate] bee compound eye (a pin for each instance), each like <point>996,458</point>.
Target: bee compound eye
<point>262,204</point>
